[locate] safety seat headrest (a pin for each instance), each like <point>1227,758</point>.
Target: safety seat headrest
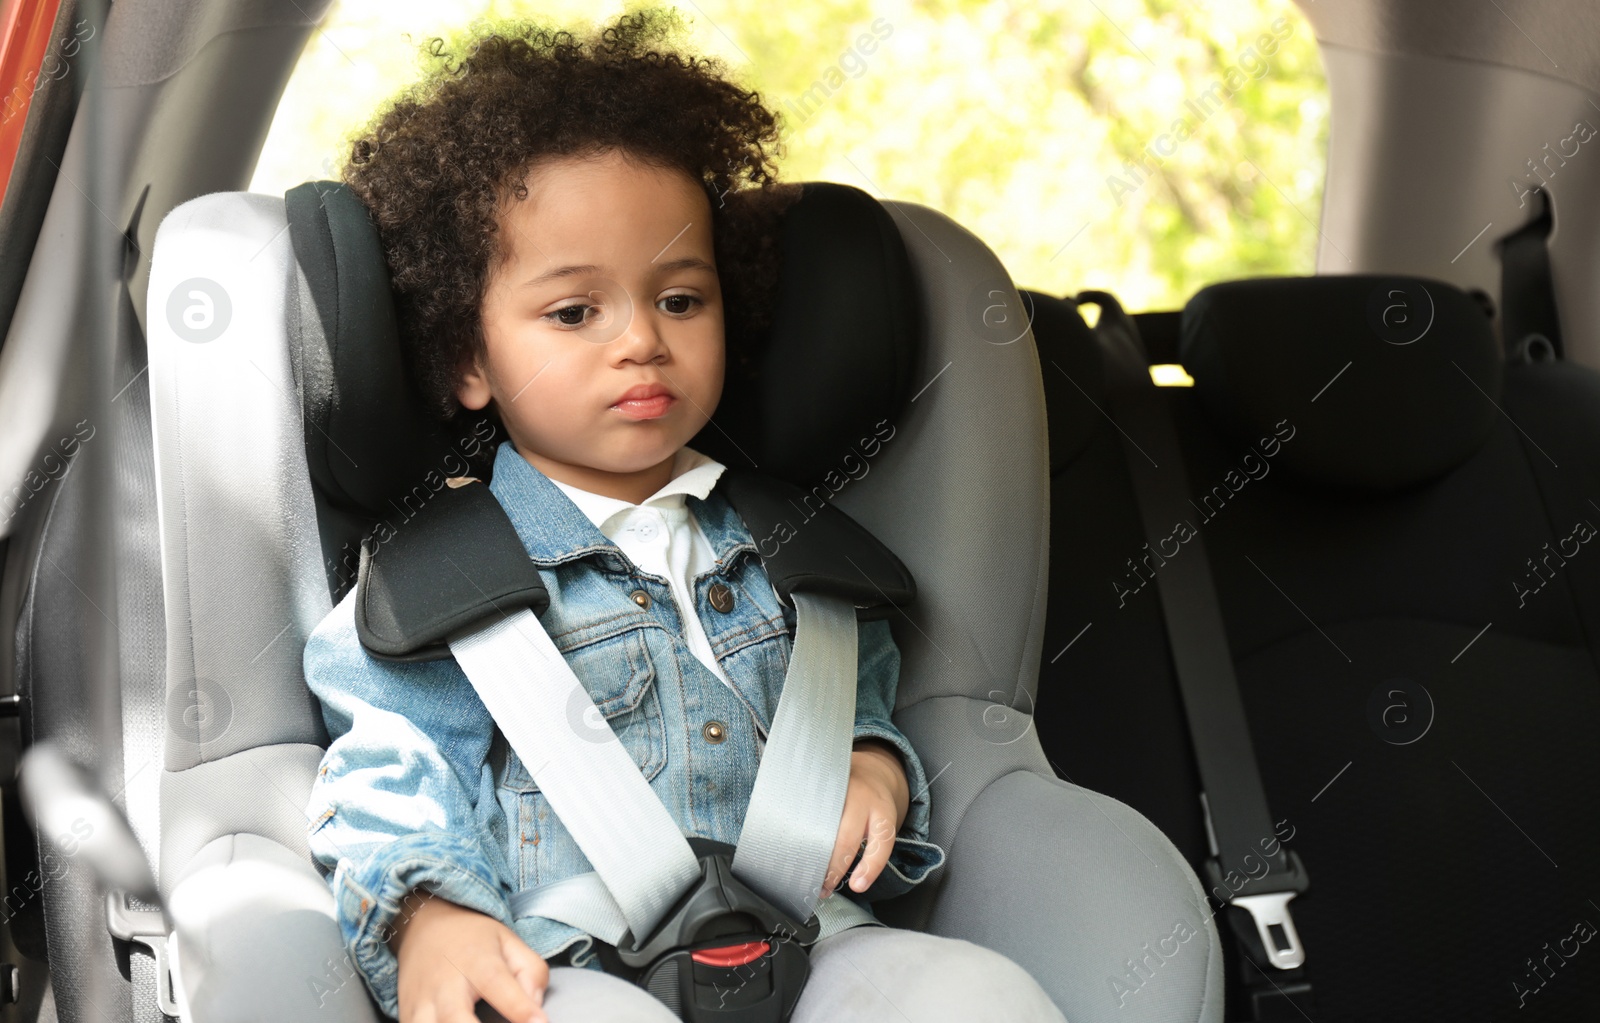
<point>1380,382</point>
<point>837,360</point>
<point>835,369</point>
<point>367,436</point>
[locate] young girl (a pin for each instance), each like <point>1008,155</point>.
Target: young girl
<point>572,250</point>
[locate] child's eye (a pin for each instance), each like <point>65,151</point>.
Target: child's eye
<point>688,302</point>
<point>562,318</point>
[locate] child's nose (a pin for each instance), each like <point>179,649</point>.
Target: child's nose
<point>639,339</point>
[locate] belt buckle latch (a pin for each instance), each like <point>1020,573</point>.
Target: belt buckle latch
<point>1270,912</point>
<point>1266,899</point>
<point>723,952</point>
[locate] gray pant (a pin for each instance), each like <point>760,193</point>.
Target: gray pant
<point>865,973</point>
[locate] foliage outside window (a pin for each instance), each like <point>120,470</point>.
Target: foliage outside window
<point>1146,147</point>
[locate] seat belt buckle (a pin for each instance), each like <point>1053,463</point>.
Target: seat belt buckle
<point>1266,899</point>
<point>148,928</point>
<point>1275,927</point>
<point>722,952</point>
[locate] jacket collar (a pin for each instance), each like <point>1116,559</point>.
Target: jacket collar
<point>554,530</point>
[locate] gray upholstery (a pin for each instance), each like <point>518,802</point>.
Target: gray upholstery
<point>247,902</point>
<point>244,586</point>
<point>1070,884</point>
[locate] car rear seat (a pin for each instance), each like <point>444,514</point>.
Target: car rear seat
<point>1450,830</point>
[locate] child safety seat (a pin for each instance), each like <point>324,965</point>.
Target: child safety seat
<point>896,404</point>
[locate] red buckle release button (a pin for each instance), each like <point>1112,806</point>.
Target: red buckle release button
<point>731,955</point>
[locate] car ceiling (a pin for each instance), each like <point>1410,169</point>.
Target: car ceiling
<point>1507,32</point>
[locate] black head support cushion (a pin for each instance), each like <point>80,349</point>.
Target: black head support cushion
<point>368,440</point>
<point>837,361</point>
<point>1380,382</point>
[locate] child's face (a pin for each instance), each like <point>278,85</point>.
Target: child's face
<point>611,283</point>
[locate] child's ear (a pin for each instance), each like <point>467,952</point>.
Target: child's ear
<point>472,383</point>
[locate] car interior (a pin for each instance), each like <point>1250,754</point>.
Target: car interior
<point>1255,650</point>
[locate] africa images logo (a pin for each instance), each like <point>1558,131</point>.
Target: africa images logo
<point>1400,312</point>
<point>199,310</point>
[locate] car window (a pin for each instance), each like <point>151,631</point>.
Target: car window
<point>1146,147</point>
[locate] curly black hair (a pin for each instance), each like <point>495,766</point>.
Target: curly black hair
<point>435,165</point>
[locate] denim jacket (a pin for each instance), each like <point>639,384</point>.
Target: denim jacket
<point>419,788</point>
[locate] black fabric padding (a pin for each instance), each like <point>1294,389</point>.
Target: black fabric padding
<point>1378,403</point>
<point>1409,840</point>
<point>841,352</point>
<point>367,439</point>
<point>458,561</point>
<point>816,548</point>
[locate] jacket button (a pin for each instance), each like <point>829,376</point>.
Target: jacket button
<point>641,598</point>
<point>721,597</point>
<point>714,731</point>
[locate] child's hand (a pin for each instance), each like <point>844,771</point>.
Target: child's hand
<point>451,956</point>
<point>875,804</point>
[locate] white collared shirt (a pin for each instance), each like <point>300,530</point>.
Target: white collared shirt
<point>661,536</point>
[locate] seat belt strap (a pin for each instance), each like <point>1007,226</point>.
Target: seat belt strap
<point>580,765</point>
<point>1565,486</point>
<point>1530,325</point>
<point>1238,823</point>
<point>584,902</point>
<point>792,822</point>
<point>641,857</point>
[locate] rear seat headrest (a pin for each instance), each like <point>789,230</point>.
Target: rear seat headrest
<point>1380,382</point>
<point>837,362</point>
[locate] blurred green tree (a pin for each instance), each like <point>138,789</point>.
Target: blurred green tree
<point>1146,147</point>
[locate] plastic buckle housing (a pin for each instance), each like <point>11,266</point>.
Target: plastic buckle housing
<point>723,952</point>
<point>148,929</point>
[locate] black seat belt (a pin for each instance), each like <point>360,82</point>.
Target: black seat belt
<point>1249,869</point>
<point>1566,487</point>
<point>1530,326</point>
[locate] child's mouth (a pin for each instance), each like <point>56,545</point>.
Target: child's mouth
<point>645,408</point>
